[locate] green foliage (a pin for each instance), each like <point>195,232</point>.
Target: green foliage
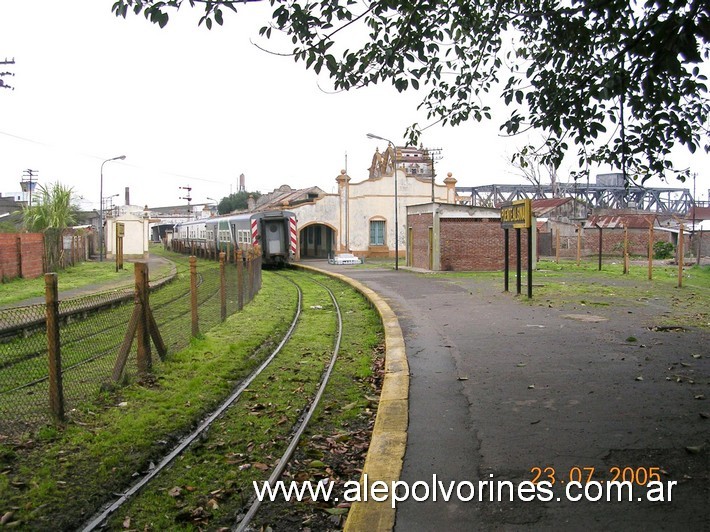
<point>663,250</point>
<point>7,227</point>
<point>52,207</point>
<point>618,79</point>
<point>236,202</point>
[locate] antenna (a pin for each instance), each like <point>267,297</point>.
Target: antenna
<point>28,183</point>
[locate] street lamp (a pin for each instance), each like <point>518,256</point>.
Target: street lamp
<point>101,206</point>
<point>396,205</point>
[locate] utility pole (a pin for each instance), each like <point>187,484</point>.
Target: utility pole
<point>4,85</point>
<point>187,197</point>
<point>434,155</point>
<point>29,180</point>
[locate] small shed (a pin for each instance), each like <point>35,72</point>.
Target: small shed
<point>135,231</point>
<point>453,237</point>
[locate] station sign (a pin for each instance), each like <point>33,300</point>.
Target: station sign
<point>516,215</point>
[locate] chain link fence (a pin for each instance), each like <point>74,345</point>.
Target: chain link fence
<point>56,355</point>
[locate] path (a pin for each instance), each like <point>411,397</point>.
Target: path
<point>499,387</point>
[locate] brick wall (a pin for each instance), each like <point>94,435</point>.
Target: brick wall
<point>612,242</point>
<point>477,245</point>
<point>21,254</point>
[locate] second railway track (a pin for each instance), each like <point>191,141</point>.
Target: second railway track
<point>206,480</point>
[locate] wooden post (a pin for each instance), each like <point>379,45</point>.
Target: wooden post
<point>518,263</point>
<point>193,295</point>
<point>601,245</point>
<point>680,257</point>
<point>506,260</point>
<point>650,251</point>
<point>240,280</point>
<point>626,249</point>
<point>143,327</point>
<point>557,246</point>
<point>250,275</point>
<point>56,392</point>
<point>530,261</point>
<point>222,286</point>
<point>579,244</point>
<point>700,246</point>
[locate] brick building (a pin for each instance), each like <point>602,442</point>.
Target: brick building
<point>450,237</point>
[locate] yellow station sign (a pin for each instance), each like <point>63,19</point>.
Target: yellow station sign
<point>516,215</point>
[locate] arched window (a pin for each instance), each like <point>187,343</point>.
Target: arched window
<point>377,232</point>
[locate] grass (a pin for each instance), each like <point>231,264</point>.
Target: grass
<point>117,434</point>
<point>566,285</point>
<point>78,276</point>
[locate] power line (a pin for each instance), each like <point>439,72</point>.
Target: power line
<point>101,158</point>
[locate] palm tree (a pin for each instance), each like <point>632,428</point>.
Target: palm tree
<point>52,209</point>
<point>51,213</point>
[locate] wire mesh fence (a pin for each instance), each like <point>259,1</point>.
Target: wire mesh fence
<point>94,331</point>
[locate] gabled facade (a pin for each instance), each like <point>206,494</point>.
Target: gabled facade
<point>360,217</point>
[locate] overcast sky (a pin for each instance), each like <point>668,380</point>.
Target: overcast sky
<point>191,107</point>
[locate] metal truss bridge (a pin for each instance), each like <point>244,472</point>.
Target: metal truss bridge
<point>661,200</point>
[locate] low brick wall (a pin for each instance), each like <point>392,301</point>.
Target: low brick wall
<point>478,245</point>
<point>21,255</point>
<point>613,242</point>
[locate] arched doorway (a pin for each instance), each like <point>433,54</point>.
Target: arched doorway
<point>317,241</point>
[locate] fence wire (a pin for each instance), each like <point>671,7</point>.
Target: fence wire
<point>92,330</point>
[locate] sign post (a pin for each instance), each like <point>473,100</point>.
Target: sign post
<point>518,215</point>
<point>120,232</point>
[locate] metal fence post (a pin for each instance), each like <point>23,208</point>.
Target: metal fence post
<point>223,286</point>
<point>193,296</point>
<point>56,392</point>
<point>143,329</point>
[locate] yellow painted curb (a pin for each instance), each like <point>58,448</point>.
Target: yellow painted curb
<point>389,435</point>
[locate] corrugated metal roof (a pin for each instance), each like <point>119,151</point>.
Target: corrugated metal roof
<point>632,221</point>
<point>699,213</point>
<point>543,206</point>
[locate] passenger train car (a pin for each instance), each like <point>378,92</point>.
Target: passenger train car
<point>274,231</point>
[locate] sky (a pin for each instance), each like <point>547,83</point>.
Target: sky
<point>195,108</point>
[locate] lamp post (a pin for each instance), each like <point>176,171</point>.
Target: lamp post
<point>101,206</point>
<point>396,205</point>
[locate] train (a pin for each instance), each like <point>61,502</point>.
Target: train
<point>275,232</point>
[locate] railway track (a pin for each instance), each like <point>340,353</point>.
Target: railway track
<point>302,375</point>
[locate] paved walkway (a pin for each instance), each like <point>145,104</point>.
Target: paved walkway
<point>499,387</point>
<point>155,263</point>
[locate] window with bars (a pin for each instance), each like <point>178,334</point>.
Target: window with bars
<point>377,232</point>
